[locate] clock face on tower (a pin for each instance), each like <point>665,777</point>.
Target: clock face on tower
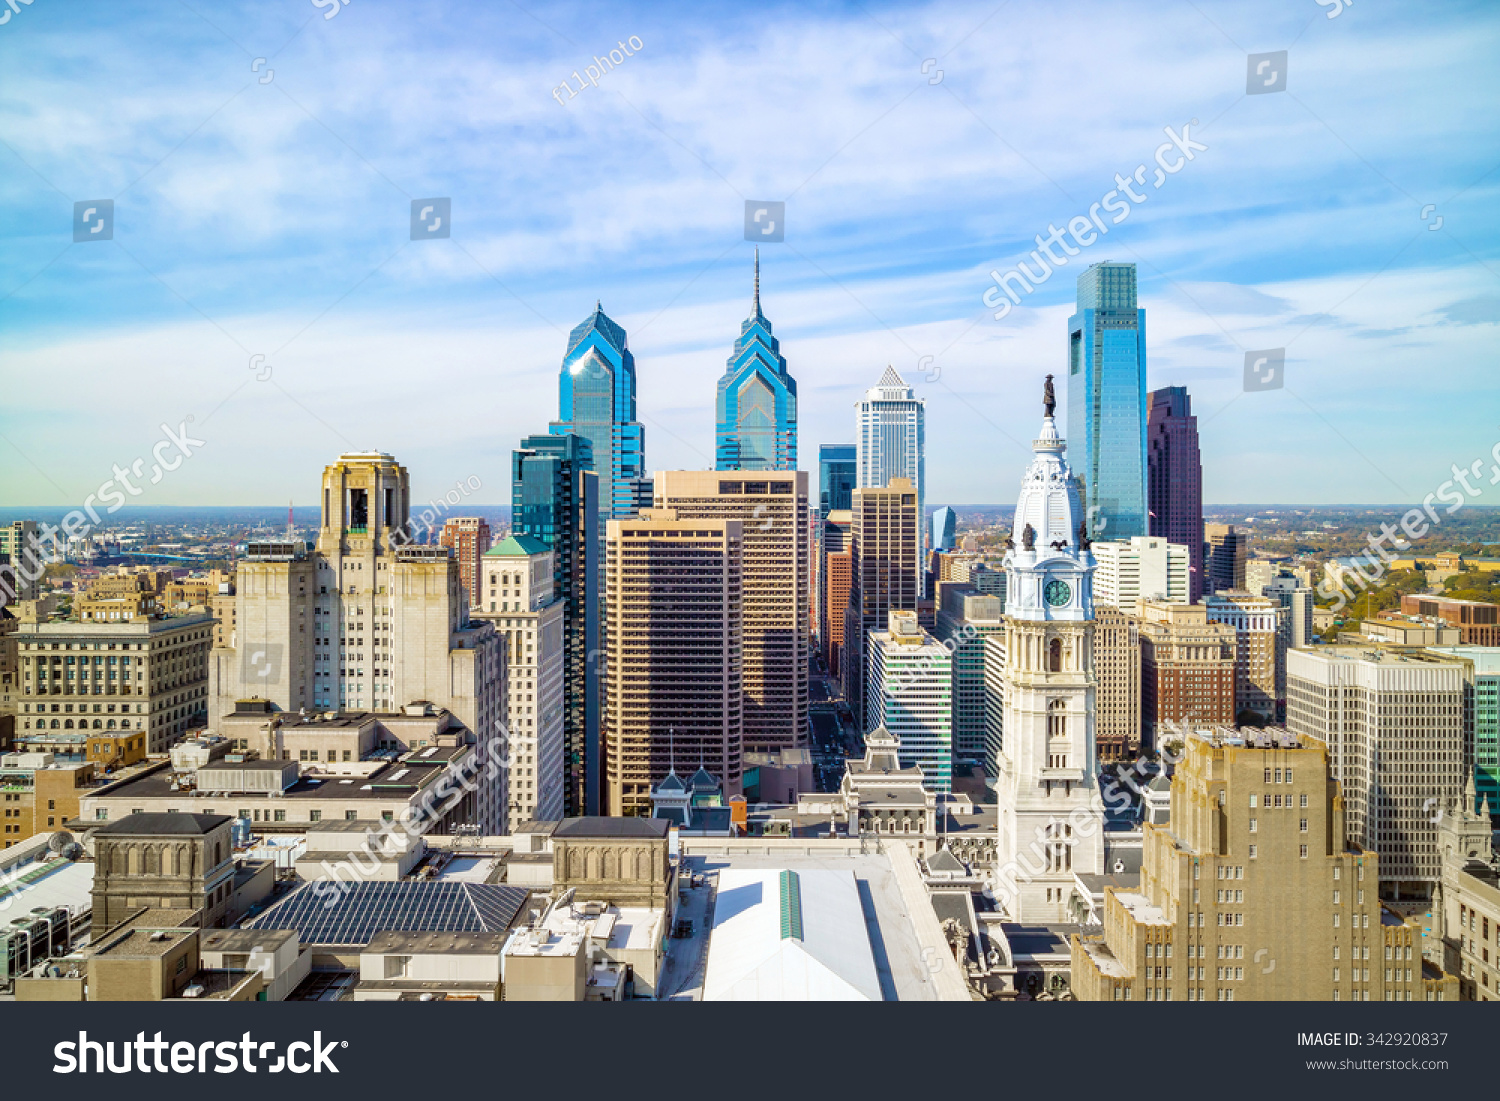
<point>1057,593</point>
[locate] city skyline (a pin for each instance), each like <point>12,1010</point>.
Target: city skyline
<point>365,336</point>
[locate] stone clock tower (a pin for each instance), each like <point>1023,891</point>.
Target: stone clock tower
<point>1051,813</point>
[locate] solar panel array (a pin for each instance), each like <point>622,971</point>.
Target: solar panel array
<point>354,912</point>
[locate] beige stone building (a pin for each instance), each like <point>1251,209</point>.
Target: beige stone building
<point>162,861</point>
<point>885,576</point>
<point>1393,722</point>
<point>1251,892</point>
<point>366,622</point>
<point>39,794</point>
<point>771,506</point>
<point>672,632</point>
<point>1466,903</point>
<point>147,673</point>
<point>518,597</point>
<point>1259,657</point>
<point>1117,670</point>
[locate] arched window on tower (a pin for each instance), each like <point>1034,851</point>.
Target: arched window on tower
<point>1054,656</point>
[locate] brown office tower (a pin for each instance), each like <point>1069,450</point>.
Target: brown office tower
<point>673,639</point>
<point>1117,700</point>
<point>885,576</point>
<point>1187,669</point>
<point>1478,623</point>
<point>771,506</point>
<point>837,559</point>
<point>1228,551</point>
<point>468,537</point>
<point>1250,893</point>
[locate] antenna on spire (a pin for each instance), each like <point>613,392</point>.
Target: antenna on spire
<point>291,528</point>
<point>757,280</point>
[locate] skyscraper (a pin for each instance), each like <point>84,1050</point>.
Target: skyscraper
<point>518,585</point>
<point>468,537</point>
<point>891,439</point>
<point>837,464</point>
<point>1107,399</point>
<point>944,529</point>
<point>1140,568</point>
<point>596,400</point>
<point>772,508</point>
<point>1226,554</point>
<point>757,403</point>
<point>1175,477</point>
<point>909,683</point>
<point>884,577</point>
<point>673,638</point>
<point>1051,812</point>
<point>555,500</point>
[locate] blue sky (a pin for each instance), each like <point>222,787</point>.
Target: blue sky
<point>271,217</point>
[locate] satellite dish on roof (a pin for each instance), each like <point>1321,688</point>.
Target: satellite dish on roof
<point>60,842</point>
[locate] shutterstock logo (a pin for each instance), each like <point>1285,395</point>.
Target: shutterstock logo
<point>85,1056</point>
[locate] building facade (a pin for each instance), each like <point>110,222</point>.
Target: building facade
<point>1478,623</point>
<point>468,537</point>
<point>555,500</point>
<point>520,599</point>
<point>673,642</point>
<point>772,508</point>
<point>1141,568</point>
<point>1175,478</point>
<point>1107,399</point>
<point>757,401</point>
<point>1188,669</point>
<point>1393,724</point>
<point>884,576</point>
<point>1051,813</point>
<point>1117,665</point>
<point>1251,893</point>
<point>909,684</point>
<point>1259,652</point>
<point>1227,553</point>
<point>965,618</point>
<point>838,465</point>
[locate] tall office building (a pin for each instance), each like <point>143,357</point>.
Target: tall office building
<point>837,475</point>
<point>965,618</point>
<point>1187,669</point>
<point>1259,686</point>
<point>909,683</point>
<point>1175,477</point>
<point>365,622</point>
<point>596,400</point>
<point>20,547</point>
<point>520,598</point>
<point>1393,722</point>
<point>994,702</point>
<point>1141,568</point>
<point>833,584</point>
<point>672,636</point>
<point>1051,813</point>
<point>757,402</point>
<point>944,529</point>
<point>772,507</point>
<point>1227,553</point>
<point>891,438</point>
<point>468,537</point>
<point>1250,893</point>
<point>1297,598</point>
<point>1107,399</point>
<point>1117,667</point>
<point>884,577</point>
<point>555,500</point>
<point>1481,666</point>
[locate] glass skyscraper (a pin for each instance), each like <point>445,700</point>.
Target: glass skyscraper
<point>757,404</point>
<point>944,529</point>
<point>596,400</point>
<point>836,477</point>
<point>892,439</point>
<point>555,499</point>
<point>1175,478</point>
<point>1107,400</point>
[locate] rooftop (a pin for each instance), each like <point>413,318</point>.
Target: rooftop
<point>590,827</point>
<point>330,913</point>
<point>175,825</point>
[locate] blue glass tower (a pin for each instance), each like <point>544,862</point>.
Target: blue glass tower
<point>1107,400</point>
<point>757,405</point>
<point>555,499</point>
<point>944,529</point>
<point>596,400</point>
<point>837,474</point>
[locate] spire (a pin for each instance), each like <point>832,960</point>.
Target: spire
<point>757,280</point>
